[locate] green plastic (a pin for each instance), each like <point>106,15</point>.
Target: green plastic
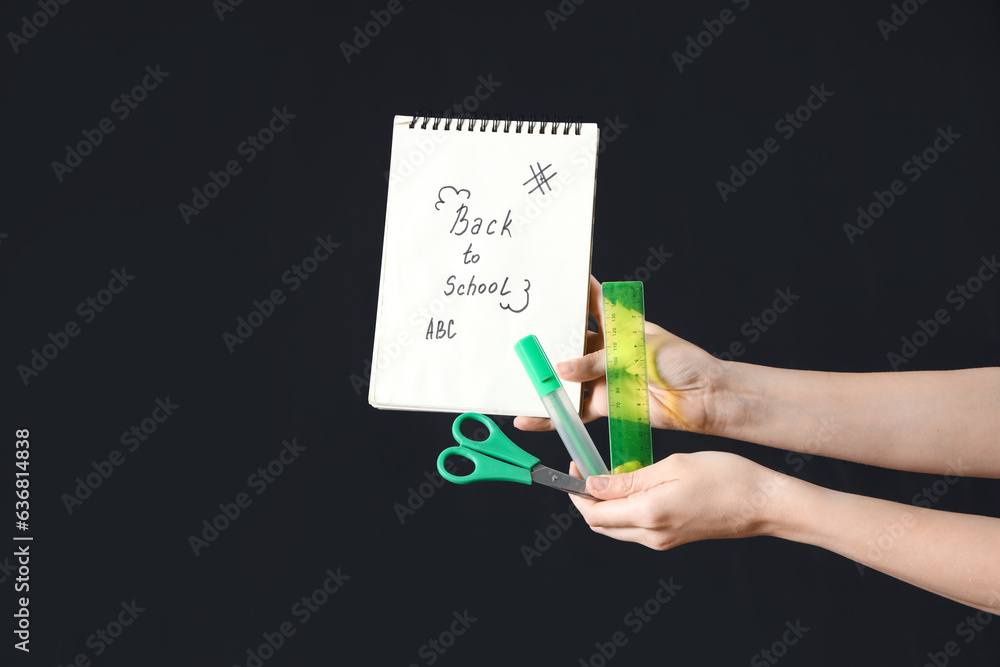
<point>534,360</point>
<point>627,380</point>
<point>496,458</point>
<point>487,469</point>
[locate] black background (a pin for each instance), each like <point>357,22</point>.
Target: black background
<point>300,374</point>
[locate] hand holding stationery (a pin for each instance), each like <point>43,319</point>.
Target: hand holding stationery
<point>684,380</point>
<point>914,421</point>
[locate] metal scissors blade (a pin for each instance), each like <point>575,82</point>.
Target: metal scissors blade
<point>559,480</point>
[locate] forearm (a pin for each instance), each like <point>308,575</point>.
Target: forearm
<point>926,421</point>
<point>954,555</point>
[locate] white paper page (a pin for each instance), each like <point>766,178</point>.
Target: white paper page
<point>436,349</point>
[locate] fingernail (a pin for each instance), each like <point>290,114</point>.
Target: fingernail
<point>564,367</point>
<point>598,482</point>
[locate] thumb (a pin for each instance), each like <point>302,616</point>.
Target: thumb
<point>622,485</point>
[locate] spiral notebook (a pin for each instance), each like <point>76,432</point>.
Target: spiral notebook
<point>488,235</point>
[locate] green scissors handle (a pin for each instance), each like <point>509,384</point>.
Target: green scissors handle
<point>496,458</point>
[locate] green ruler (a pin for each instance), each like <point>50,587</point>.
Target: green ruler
<point>628,384</point>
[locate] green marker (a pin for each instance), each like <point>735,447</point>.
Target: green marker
<point>566,420</point>
<point>628,383</point>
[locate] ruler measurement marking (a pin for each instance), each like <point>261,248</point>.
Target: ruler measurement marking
<point>628,395</point>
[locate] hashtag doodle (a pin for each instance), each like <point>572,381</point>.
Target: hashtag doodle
<point>539,178</point>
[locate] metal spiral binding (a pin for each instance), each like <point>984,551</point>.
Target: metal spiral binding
<point>469,123</point>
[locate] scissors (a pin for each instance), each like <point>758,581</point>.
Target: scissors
<point>497,459</point>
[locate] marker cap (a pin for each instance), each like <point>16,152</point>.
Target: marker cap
<point>533,358</point>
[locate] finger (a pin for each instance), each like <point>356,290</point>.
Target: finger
<point>623,485</point>
<point>595,405</point>
<point>625,502</point>
<point>595,302</point>
<point>595,341</point>
<point>618,513</point>
<point>581,503</point>
<point>582,369</point>
<point>533,423</point>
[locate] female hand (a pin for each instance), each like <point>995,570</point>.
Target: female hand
<point>685,498</point>
<point>684,380</point>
